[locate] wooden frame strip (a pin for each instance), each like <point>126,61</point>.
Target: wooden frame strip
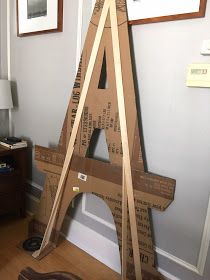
<point>200,13</point>
<point>124,226</point>
<point>71,144</point>
<point>124,137</point>
<point>59,27</point>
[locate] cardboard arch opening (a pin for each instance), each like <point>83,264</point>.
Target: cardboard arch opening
<point>93,216</point>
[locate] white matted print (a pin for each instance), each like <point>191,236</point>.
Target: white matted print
<point>36,8</point>
<point>39,16</point>
<point>143,11</point>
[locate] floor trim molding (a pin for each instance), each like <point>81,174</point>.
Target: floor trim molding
<point>35,185</point>
<point>106,251</point>
<point>93,216</point>
<point>198,269</point>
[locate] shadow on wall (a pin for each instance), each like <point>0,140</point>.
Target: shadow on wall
<point>4,123</point>
<point>14,90</point>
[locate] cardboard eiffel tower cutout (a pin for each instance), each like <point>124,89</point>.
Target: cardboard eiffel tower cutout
<point>69,170</point>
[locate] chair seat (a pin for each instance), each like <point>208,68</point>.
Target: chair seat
<point>29,274</point>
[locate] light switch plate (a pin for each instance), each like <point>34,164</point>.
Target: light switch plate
<point>205,49</point>
<point>198,75</point>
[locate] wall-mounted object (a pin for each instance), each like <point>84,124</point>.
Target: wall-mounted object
<point>5,95</point>
<point>148,11</point>
<point>205,49</point>
<point>198,75</point>
<point>37,17</point>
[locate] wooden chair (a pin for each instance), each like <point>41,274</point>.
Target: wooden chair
<point>29,274</point>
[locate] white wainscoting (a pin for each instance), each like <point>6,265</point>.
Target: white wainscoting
<point>199,268</point>
<point>97,245</point>
<point>93,216</point>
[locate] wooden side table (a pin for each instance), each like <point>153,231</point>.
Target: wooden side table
<point>13,184</point>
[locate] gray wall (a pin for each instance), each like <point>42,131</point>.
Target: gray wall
<point>43,70</point>
<point>176,128</point>
<point>175,119</point>
<point>3,39</point>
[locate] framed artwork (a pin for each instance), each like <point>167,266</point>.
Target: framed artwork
<point>39,16</point>
<point>148,11</point>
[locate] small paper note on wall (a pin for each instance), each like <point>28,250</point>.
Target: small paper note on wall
<point>198,75</point>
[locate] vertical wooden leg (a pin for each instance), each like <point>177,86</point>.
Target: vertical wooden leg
<point>71,144</point>
<point>124,137</point>
<point>124,227</point>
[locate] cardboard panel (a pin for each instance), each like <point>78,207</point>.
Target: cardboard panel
<point>104,179</point>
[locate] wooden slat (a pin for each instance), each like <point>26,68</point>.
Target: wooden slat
<point>69,153</point>
<point>124,226</point>
<point>124,137</point>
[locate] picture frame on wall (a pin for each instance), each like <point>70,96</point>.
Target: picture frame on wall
<point>39,16</point>
<point>149,11</point>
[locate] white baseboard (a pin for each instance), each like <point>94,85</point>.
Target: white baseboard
<point>167,275</point>
<point>35,185</point>
<point>93,243</point>
<point>97,245</point>
<point>198,268</point>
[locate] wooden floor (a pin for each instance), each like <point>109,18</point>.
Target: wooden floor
<point>66,257</point>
